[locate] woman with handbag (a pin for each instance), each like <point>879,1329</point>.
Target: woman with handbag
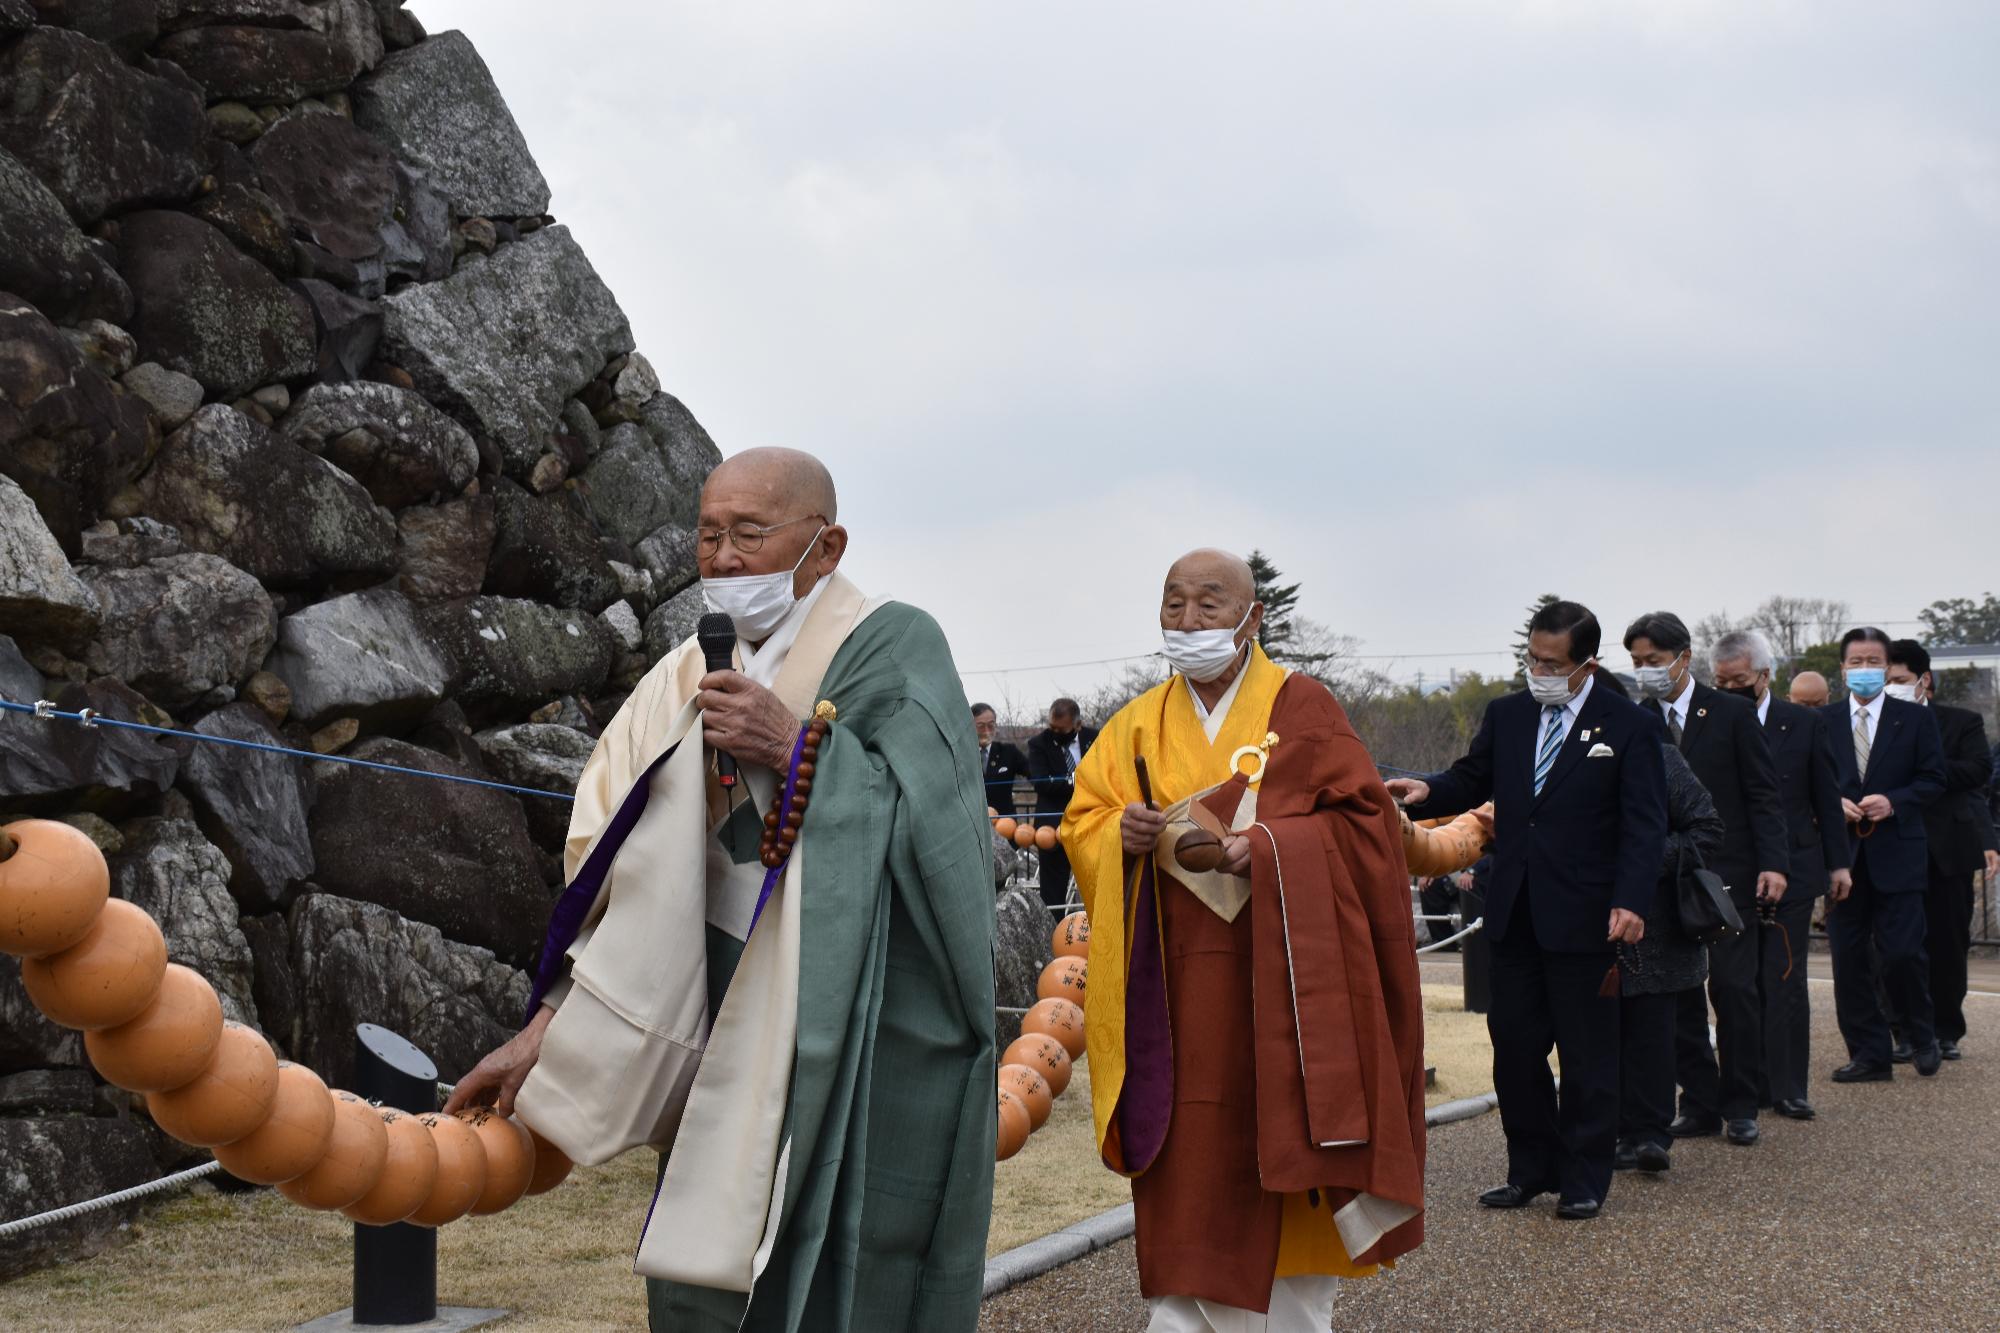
<point>1654,971</point>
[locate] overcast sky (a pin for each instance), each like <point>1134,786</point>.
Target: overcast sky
<point>1672,303</point>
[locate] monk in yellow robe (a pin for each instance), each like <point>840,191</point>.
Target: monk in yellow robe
<point>1255,1028</point>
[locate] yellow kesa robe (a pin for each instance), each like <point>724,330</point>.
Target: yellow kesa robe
<point>1162,725</point>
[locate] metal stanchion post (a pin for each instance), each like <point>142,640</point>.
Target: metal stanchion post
<point>395,1267</point>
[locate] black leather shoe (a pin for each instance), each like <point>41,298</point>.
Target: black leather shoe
<point>1901,1054</point>
<point>1509,1196</point>
<point>1578,1210</point>
<point>1652,1157</point>
<point>1949,1049</point>
<point>1742,1133</point>
<point>1695,1127</point>
<point>1624,1158</point>
<point>1862,1071</point>
<point>1795,1109</point>
<point>1928,1059</point>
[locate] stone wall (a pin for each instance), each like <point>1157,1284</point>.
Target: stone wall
<point>315,428</point>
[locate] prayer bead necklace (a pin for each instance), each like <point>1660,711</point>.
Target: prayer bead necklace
<point>782,830</point>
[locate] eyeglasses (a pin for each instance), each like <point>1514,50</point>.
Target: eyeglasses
<point>745,537</point>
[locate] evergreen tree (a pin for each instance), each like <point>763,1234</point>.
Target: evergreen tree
<point>1279,599</point>
<point>1521,639</point>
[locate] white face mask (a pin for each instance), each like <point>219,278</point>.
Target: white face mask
<point>1203,654</point>
<point>1904,690</point>
<point>1656,682</point>
<point>1553,691</point>
<point>756,603</point>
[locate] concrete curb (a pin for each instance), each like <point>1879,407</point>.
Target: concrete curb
<point>1024,1263</point>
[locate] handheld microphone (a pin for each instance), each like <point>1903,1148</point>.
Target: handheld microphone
<point>716,633</point>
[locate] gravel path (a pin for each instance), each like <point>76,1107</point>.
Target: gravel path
<point>1882,1214</point>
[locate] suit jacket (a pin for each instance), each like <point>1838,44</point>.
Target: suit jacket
<point>1726,749</point>
<point>1048,764</point>
<point>1004,763</point>
<point>1809,789</point>
<point>1953,825</point>
<point>1591,841</point>
<point>1905,764</point>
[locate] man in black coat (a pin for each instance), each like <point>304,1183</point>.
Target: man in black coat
<point>1891,770</point>
<point>1719,736</point>
<point>1053,755</point>
<point>1960,836</point>
<point>1578,782</point>
<point>1000,762</point>
<point>1816,833</point>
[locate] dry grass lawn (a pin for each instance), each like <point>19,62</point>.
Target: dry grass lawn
<point>209,1262</point>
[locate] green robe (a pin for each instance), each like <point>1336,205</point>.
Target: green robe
<point>891,1115</point>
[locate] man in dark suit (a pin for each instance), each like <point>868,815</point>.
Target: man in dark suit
<point>1000,762</point>
<point>1719,736</point>
<point>1816,833</point>
<point>1578,782</point>
<point>1959,836</point>
<point>1891,770</point>
<point>1053,755</point>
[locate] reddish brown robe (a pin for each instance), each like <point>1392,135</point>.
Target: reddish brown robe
<point>1250,1044</point>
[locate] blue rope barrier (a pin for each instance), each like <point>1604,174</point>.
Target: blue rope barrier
<point>90,717</point>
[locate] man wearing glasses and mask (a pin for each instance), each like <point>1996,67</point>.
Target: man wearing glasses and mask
<point>782,983</point>
<point>1809,793</point>
<point>1579,786</point>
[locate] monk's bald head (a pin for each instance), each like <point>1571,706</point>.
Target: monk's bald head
<point>787,496</point>
<point>1209,567</point>
<point>785,482</point>
<point>1207,589</point>
<point>1809,689</point>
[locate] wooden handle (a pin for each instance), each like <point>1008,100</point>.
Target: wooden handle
<point>1145,781</point>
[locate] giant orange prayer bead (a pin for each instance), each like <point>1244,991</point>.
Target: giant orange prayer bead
<point>552,1165</point>
<point>1005,827</point>
<point>1013,1128</point>
<point>51,888</point>
<point>510,1159</point>
<point>1024,836</point>
<point>227,1100</point>
<point>1058,1018</point>
<point>292,1138</point>
<point>461,1176</point>
<point>1043,1054</point>
<point>1063,979</point>
<point>106,978</point>
<point>409,1172</point>
<point>354,1158</point>
<point>168,1044</point>
<point>1072,936</point>
<point>1032,1089</point>
<point>1045,837</point>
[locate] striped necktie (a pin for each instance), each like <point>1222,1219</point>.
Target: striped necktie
<point>1552,739</point>
<point>1861,744</point>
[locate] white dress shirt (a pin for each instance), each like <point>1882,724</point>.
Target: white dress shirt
<point>1764,708</point>
<point>1676,708</point>
<point>1571,711</point>
<point>1870,709</point>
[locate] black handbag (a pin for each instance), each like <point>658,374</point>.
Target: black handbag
<point>1707,914</point>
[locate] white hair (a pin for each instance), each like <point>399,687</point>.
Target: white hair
<point>1748,643</point>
